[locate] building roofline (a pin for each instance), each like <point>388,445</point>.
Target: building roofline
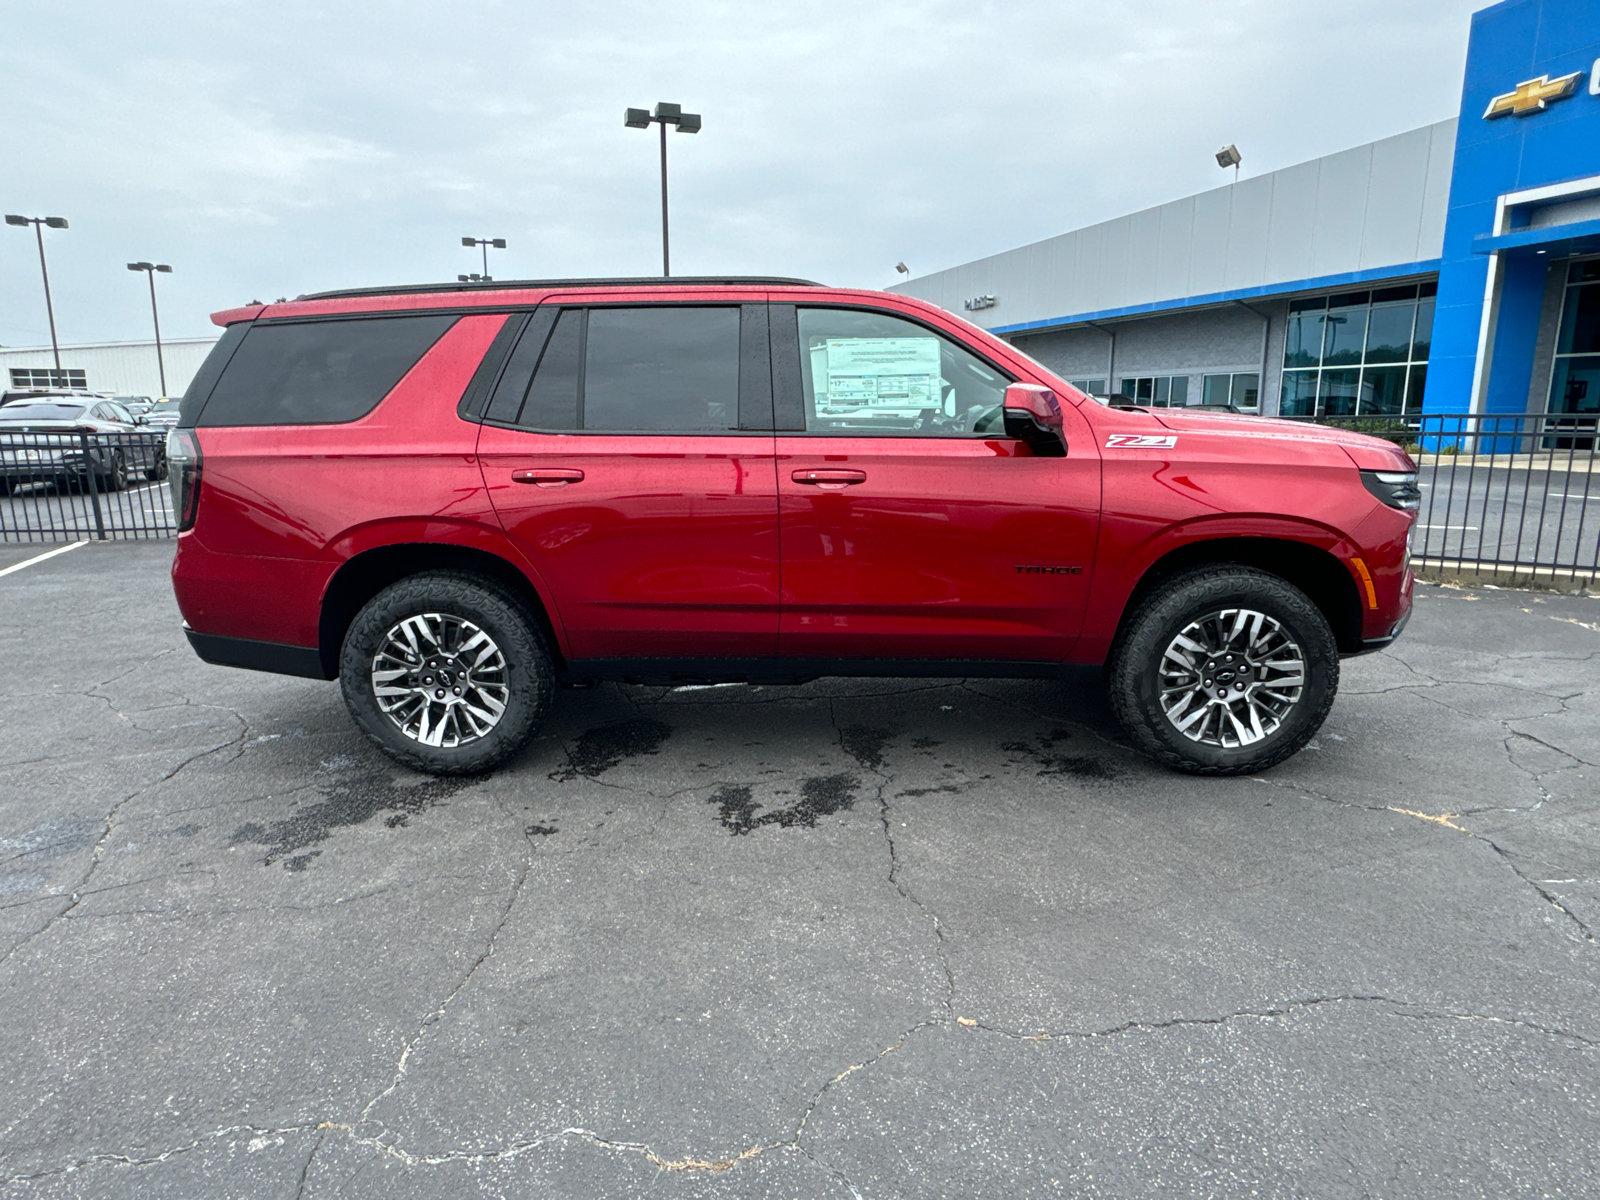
<point>166,341</point>
<point>1211,299</point>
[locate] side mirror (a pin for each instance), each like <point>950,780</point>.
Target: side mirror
<point>1026,401</point>
<point>141,419</point>
<point>1033,415</point>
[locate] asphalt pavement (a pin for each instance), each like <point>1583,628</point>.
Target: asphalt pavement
<point>858,938</point>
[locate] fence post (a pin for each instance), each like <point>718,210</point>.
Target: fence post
<point>94,487</point>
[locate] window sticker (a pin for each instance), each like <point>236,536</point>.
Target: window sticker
<point>876,373</point>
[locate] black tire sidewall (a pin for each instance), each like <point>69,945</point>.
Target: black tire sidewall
<point>487,605</point>
<point>1136,674</point>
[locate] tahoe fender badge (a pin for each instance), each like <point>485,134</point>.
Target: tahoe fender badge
<point>1141,441</point>
<point>1032,570</point>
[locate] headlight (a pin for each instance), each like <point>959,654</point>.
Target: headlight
<point>1397,489</point>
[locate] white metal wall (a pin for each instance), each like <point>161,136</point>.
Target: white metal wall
<point>125,368</point>
<point>1376,206</point>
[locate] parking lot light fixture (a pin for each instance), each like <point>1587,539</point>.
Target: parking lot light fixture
<point>150,270</point>
<point>1229,156</point>
<point>497,243</point>
<point>39,224</point>
<point>665,114</point>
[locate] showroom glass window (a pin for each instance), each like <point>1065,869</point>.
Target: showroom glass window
<point>1358,353</point>
<point>1575,380</point>
<point>872,374</point>
<point>1157,391</point>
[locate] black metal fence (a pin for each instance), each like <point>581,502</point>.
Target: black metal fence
<point>1512,496</point>
<point>57,487</point>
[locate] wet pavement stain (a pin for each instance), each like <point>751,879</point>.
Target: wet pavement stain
<point>949,788</point>
<point>1079,766</point>
<point>600,749</point>
<point>57,836</point>
<point>352,803</point>
<point>865,745</point>
<point>820,796</point>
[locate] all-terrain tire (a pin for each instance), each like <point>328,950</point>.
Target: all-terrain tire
<point>1136,679</point>
<point>527,677</point>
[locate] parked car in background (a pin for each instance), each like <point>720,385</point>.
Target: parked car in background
<point>163,413</point>
<point>73,440</point>
<point>454,498</point>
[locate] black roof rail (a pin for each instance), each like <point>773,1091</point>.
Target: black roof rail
<point>499,285</point>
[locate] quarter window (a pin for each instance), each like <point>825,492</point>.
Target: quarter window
<point>871,374</point>
<point>318,373</point>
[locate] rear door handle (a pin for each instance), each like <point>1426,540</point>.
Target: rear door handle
<point>548,476</point>
<point>831,478</point>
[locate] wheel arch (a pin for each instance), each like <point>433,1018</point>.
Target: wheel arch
<point>364,575</point>
<point>1317,572</point>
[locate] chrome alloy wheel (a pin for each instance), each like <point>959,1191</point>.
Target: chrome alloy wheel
<point>441,680</point>
<point>1231,678</point>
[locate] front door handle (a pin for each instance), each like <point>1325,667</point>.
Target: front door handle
<point>548,476</point>
<point>831,478</point>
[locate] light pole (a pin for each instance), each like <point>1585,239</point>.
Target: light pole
<point>664,115</point>
<point>497,243</point>
<point>150,270</point>
<point>38,224</point>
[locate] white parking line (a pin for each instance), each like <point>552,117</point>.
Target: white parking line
<point>39,558</point>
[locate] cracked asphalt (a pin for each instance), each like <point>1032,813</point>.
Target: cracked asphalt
<point>859,938</point>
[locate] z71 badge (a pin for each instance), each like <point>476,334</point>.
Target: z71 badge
<point>1141,441</point>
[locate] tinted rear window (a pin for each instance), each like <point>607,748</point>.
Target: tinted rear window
<point>662,369</point>
<point>318,373</point>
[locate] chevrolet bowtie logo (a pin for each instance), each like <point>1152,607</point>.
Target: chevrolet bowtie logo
<point>1532,96</point>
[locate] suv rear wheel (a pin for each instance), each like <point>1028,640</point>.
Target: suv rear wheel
<point>446,672</point>
<point>1224,671</point>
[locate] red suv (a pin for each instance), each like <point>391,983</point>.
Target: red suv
<point>455,498</point>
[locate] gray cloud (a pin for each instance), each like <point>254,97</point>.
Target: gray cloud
<point>266,150</point>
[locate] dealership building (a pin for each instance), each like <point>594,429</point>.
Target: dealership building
<point>1453,268</point>
<point>121,368</point>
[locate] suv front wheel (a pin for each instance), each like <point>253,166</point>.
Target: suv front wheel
<point>446,672</point>
<point>1224,671</point>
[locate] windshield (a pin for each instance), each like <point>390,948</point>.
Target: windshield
<point>42,412</point>
<point>165,406</point>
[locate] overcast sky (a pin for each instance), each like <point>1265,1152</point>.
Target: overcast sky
<point>275,148</point>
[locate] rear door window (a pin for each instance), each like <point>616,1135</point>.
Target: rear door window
<point>662,369</point>
<point>318,372</point>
